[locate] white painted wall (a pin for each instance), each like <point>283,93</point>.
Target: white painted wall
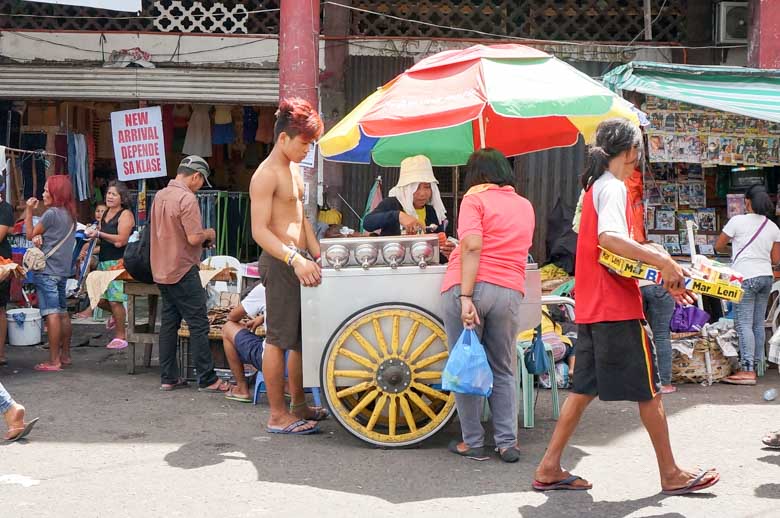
<point>193,49</point>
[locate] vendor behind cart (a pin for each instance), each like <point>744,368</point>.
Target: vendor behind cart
<point>414,204</point>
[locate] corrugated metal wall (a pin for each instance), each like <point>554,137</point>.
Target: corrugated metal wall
<point>364,75</point>
<point>544,177</point>
<point>239,86</point>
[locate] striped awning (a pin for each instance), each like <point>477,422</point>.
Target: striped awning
<point>746,91</point>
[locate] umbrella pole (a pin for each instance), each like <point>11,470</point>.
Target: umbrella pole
<point>456,198</point>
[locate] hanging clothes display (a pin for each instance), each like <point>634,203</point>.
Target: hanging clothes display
<point>61,148</point>
<point>167,125</point>
<point>198,139</point>
<point>265,128</point>
<point>78,166</point>
<point>250,124</point>
<point>33,166</point>
<point>224,132</point>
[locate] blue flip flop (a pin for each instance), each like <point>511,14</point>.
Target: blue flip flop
<point>694,485</point>
<point>288,430</point>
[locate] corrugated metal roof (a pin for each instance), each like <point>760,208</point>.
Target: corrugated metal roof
<point>545,176</point>
<point>249,86</point>
<point>364,75</point>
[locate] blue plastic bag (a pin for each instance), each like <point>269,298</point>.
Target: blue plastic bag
<point>467,370</point>
<point>536,361</point>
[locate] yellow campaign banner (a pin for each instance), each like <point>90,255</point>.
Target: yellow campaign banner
<point>637,270</point>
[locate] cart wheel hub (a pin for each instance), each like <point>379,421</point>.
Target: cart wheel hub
<point>393,376</point>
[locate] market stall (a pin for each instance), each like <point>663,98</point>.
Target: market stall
<point>713,133</point>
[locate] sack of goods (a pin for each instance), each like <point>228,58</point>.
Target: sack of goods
<point>708,277</point>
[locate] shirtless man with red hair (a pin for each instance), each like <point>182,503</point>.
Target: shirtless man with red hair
<point>290,258</point>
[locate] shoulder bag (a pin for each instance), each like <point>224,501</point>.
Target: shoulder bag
<point>34,259</point>
<point>766,220</point>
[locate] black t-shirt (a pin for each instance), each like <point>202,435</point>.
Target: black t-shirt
<point>6,218</point>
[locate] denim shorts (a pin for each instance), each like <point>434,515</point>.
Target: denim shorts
<point>51,293</point>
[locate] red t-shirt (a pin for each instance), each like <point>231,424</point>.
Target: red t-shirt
<point>505,221</point>
<point>600,295</point>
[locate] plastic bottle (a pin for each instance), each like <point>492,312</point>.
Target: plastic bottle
<point>770,395</point>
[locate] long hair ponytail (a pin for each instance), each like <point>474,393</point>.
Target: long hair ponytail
<point>760,201</point>
<point>613,137</point>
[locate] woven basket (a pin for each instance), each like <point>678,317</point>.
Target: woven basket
<point>695,370</point>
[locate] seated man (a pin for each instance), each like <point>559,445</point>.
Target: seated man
<point>240,342</point>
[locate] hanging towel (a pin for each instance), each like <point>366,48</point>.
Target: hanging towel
<point>97,283</point>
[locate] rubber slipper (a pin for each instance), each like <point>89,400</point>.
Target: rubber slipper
<point>117,343</point>
<point>471,453</point>
<point>565,484</point>
<point>772,440</point>
<point>3,362</point>
<point>241,399</point>
<point>47,367</point>
<point>320,414</point>
<point>694,485</point>
<point>739,381</point>
<point>167,387</point>
<point>511,454</point>
<point>65,364</point>
<point>290,429</point>
<point>25,431</point>
<point>219,389</point>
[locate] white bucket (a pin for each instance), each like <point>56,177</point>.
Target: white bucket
<point>26,332</point>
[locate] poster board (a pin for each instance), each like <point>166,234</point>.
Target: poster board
<point>139,148</point>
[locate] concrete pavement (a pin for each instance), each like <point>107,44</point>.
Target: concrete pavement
<point>109,444</point>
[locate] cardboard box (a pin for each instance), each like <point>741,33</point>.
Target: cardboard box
<point>637,270</point>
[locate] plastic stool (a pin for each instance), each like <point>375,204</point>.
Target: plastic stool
<point>260,387</point>
<point>526,381</point>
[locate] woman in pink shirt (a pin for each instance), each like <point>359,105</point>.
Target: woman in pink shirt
<point>483,289</point>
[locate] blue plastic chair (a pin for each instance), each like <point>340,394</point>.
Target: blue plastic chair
<point>260,387</point>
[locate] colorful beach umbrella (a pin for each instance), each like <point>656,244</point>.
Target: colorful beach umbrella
<point>510,97</point>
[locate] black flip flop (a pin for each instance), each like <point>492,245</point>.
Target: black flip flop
<point>565,484</point>
<point>24,433</point>
<point>471,453</point>
<point>511,454</point>
<point>167,387</point>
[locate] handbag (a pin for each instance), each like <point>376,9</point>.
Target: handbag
<point>752,238</point>
<point>34,259</point>
<point>467,370</point>
<point>536,361</point>
<point>687,319</point>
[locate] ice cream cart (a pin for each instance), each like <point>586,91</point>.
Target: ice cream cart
<point>374,340</point>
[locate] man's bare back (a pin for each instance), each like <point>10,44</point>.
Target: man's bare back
<point>285,185</point>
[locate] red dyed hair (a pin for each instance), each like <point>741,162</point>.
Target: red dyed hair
<point>61,193</point>
<point>297,117</point>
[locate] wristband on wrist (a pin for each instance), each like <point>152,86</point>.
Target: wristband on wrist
<point>291,258</point>
<point>464,296</point>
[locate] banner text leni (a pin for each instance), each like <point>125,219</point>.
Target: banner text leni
<point>139,148</point>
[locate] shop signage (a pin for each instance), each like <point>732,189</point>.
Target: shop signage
<point>139,148</point>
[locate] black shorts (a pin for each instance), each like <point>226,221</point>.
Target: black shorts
<point>616,361</point>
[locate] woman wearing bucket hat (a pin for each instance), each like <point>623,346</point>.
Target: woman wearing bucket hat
<point>414,203</point>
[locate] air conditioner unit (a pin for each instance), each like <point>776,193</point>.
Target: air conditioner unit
<point>732,22</point>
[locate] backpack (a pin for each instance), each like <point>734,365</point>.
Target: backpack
<point>137,255</point>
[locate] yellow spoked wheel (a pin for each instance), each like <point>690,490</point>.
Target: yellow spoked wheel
<point>381,375</point>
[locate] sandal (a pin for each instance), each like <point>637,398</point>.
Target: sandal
<point>233,397</point>
<point>470,453</point>
<point>772,440</point>
<point>223,387</point>
<point>117,343</point>
<point>167,387</point>
<point>511,454</point>
<point>47,367</point>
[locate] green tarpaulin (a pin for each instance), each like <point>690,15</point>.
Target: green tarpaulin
<point>746,91</point>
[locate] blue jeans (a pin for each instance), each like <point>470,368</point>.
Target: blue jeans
<point>659,306</point>
<point>51,293</point>
<point>6,401</point>
<point>749,316</point>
